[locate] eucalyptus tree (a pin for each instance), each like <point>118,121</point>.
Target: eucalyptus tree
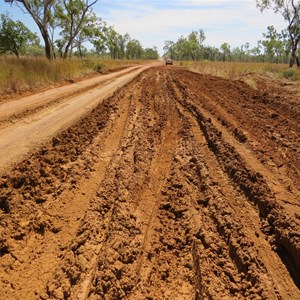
<point>290,10</point>
<point>225,47</point>
<point>274,45</point>
<point>151,53</point>
<point>256,52</point>
<point>15,36</point>
<point>200,35</point>
<point>123,43</point>
<point>169,49</point>
<point>73,16</point>
<point>99,45</point>
<point>193,46</point>
<point>112,38</point>
<point>182,49</point>
<point>134,49</point>
<point>41,11</point>
<point>211,53</point>
<point>115,42</point>
<point>92,30</point>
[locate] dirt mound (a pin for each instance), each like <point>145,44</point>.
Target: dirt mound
<point>179,186</point>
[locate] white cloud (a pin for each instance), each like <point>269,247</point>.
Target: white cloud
<point>235,22</point>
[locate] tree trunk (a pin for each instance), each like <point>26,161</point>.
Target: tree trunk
<point>293,56</point>
<point>66,50</point>
<point>53,50</point>
<point>48,50</point>
<point>15,50</point>
<point>48,46</point>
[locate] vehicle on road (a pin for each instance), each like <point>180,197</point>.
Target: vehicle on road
<point>169,61</point>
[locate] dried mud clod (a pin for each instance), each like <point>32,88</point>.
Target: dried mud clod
<point>172,205</point>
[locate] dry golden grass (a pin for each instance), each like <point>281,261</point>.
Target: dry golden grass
<point>233,70</point>
<point>31,73</point>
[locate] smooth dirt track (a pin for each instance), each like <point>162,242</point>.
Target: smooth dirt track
<point>177,186</point>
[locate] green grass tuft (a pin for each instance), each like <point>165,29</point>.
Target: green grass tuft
<point>291,74</point>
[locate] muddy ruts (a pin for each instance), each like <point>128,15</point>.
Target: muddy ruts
<point>107,240</point>
<point>282,229</point>
<point>197,234</point>
<point>159,227</point>
<point>166,207</point>
<point>42,178</point>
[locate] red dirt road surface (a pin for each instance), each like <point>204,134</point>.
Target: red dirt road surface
<point>176,186</point>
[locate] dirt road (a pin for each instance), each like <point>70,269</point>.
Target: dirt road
<point>34,119</point>
<point>177,186</point>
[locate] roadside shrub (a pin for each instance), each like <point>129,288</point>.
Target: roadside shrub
<point>291,74</point>
<point>99,68</point>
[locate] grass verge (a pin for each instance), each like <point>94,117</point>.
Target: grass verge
<point>233,70</point>
<point>18,75</point>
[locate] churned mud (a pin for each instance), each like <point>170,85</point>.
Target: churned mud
<point>179,186</point>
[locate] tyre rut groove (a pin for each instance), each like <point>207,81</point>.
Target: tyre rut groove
<point>163,191</point>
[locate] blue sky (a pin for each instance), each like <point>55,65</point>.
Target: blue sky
<point>153,22</point>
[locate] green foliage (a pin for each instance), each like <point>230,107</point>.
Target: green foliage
<point>115,42</point>
<point>151,53</point>
<point>134,50</point>
<point>187,48</point>
<point>170,50</point>
<point>290,10</point>
<point>274,48</point>
<point>74,22</point>
<point>99,45</point>
<point>291,74</point>
<point>42,13</point>
<point>99,67</point>
<point>77,22</point>
<point>15,37</point>
<point>225,48</point>
<point>74,18</point>
<point>121,46</point>
<point>276,45</point>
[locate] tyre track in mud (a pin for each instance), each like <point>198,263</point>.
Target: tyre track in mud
<point>16,110</point>
<point>168,205</point>
<point>38,128</point>
<point>256,119</point>
<point>274,216</point>
<point>55,222</point>
<point>244,213</point>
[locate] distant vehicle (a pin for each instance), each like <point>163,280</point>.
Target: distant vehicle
<point>169,61</point>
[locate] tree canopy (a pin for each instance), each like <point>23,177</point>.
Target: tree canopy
<point>41,11</point>
<point>66,25</point>
<point>15,36</point>
<point>290,10</point>
<point>273,47</point>
<point>69,15</point>
<point>74,17</point>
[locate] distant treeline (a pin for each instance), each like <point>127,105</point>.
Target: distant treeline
<point>68,26</point>
<point>274,48</point>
